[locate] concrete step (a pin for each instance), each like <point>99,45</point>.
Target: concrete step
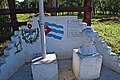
<point>7,51</point>
<point>2,61</point>
<point>11,44</point>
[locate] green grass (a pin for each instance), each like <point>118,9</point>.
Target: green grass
<point>24,17</point>
<point>110,31</point>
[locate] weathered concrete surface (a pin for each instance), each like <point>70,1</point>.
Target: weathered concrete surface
<point>86,67</point>
<point>65,72</point>
<point>109,58</point>
<point>45,68</point>
<point>24,73</point>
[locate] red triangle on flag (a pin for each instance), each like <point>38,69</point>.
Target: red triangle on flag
<point>47,29</point>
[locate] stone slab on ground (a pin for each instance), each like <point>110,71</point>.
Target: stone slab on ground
<point>45,68</point>
<point>24,73</point>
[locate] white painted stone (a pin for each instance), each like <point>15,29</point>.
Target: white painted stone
<point>14,38</point>
<point>100,38</point>
<point>86,67</point>
<point>11,44</point>
<point>7,51</point>
<point>110,60</point>
<point>45,69</point>
<point>84,25</point>
<point>96,34</point>
<point>2,60</point>
<point>66,41</point>
<point>104,44</point>
<point>12,64</point>
<point>17,32</point>
<point>30,49</point>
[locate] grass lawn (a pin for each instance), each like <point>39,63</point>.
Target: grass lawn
<point>110,31</point>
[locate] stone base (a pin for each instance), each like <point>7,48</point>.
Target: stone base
<point>86,67</point>
<point>45,69</point>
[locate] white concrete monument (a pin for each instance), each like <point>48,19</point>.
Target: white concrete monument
<point>86,61</point>
<point>88,47</point>
<point>45,68</point>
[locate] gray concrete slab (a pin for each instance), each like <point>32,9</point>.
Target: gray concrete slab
<point>24,73</point>
<point>65,72</point>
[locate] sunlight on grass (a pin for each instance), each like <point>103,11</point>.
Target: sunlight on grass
<point>24,17</point>
<point>110,31</point>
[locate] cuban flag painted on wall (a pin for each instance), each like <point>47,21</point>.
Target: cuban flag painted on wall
<point>53,30</point>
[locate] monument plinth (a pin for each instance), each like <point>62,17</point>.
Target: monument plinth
<point>45,68</point>
<point>86,61</point>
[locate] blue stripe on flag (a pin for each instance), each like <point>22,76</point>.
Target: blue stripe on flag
<point>54,36</point>
<point>53,25</point>
<point>57,31</point>
<point>27,35</point>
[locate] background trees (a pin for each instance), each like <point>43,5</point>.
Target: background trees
<point>99,6</point>
<point>106,7</point>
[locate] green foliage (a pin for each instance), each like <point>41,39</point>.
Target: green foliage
<point>6,31</point>
<point>106,6</point>
<point>4,18</point>
<point>26,4</point>
<point>2,47</point>
<point>110,31</point>
<point>24,17</point>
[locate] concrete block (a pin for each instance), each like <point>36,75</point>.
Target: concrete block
<point>12,64</point>
<point>45,69</point>
<point>104,45</point>
<point>7,51</point>
<point>86,67</point>
<point>2,60</point>
<point>14,38</point>
<point>11,44</point>
<point>7,69</point>
<point>84,25</point>
<point>100,38</point>
<point>17,32</point>
<point>111,61</point>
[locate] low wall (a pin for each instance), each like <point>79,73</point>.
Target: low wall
<point>13,57</point>
<point>110,59</point>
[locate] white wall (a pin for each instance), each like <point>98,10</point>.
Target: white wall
<point>11,60</point>
<point>110,59</point>
<point>71,38</point>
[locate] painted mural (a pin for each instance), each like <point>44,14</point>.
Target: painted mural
<point>30,36</point>
<point>53,30</point>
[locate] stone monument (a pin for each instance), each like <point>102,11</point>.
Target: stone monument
<point>88,47</point>
<point>86,61</point>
